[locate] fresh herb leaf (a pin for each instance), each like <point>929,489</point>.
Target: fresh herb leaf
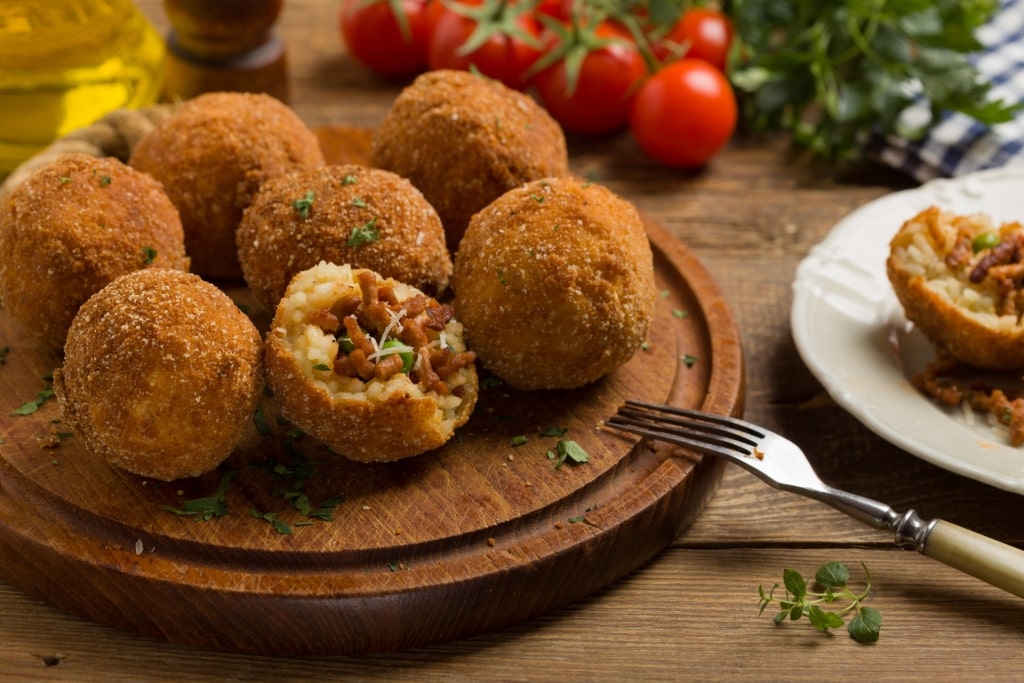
<point>832,575</point>
<point>865,627</point>
<point>554,431</point>
<point>519,440</point>
<point>148,255</point>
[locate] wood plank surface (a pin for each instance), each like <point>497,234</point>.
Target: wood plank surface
<point>691,613</point>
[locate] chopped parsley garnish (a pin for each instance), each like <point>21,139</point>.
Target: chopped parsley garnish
<point>304,205</point>
<point>364,234</point>
<point>349,180</point>
<point>205,509</point>
<point>689,360</point>
<point>501,277</point>
<point>554,431</point>
<point>570,451</point>
<point>359,202</point>
<point>679,313</point>
<point>105,180</point>
<point>280,526</point>
<point>148,255</point>
<point>32,406</point>
<point>64,180</point>
<point>519,440</point>
<point>539,198</point>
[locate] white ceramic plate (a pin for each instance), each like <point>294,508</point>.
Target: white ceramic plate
<point>850,330</point>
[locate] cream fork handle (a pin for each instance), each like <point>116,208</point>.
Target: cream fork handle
<point>982,557</point>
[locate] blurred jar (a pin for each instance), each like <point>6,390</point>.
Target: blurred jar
<point>66,63</point>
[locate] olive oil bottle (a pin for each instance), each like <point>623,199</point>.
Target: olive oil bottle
<point>66,63</point>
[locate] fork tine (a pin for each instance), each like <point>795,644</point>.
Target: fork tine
<point>732,423</point>
<point>707,433</point>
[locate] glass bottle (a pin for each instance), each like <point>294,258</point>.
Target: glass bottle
<point>66,63</point>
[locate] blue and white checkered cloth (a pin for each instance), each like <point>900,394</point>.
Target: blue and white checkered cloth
<point>959,144</point>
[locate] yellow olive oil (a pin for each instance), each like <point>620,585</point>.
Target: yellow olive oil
<point>66,63</point>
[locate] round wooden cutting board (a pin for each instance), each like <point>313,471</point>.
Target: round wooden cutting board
<point>309,553</point>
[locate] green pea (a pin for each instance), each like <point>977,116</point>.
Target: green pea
<point>406,356</point>
<point>984,240</point>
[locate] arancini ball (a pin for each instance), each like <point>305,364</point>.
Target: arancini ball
<point>464,140</point>
<point>161,376</point>
<point>73,226</point>
<point>362,216</point>
<point>212,155</point>
<point>554,284</point>
<point>373,368</point>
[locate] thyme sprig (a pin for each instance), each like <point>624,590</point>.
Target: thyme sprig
<point>831,581</point>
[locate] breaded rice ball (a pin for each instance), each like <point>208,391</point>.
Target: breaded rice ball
<point>212,156</point>
<point>73,226</point>
<point>464,140</point>
<point>162,374</point>
<point>554,283</point>
<point>352,214</point>
<point>960,279</point>
<point>373,368</point>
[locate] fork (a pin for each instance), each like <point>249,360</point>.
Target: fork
<point>783,465</point>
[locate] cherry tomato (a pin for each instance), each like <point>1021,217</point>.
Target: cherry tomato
<point>684,113</point>
<point>377,38</point>
<point>556,9</point>
<point>608,76</point>
<point>700,33</point>
<point>506,38</point>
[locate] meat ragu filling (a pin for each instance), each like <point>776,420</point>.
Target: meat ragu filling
<point>941,380</point>
<point>1003,264</point>
<point>379,337</point>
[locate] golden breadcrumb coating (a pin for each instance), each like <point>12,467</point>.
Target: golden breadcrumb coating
<point>212,156</point>
<point>363,216</point>
<point>371,367</point>
<point>464,140</point>
<point>959,279</point>
<point>162,374</point>
<point>73,226</point>
<point>554,283</point>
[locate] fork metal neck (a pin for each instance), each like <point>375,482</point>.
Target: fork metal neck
<point>866,510</point>
<point>911,531</point>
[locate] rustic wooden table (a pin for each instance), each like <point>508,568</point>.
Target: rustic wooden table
<point>691,613</point>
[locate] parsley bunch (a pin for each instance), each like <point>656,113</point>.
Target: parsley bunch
<point>831,579</point>
<point>831,72</point>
